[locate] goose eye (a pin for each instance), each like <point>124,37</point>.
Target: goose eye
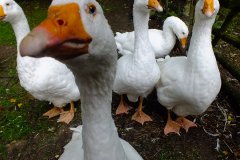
<point>183,33</point>
<point>7,4</point>
<point>91,9</point>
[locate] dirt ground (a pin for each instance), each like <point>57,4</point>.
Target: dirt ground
<point>218,126</point>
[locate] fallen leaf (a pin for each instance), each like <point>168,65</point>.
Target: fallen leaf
<point>13,100</point>
<point>19,105</point>
<point>230,118</point>
<point>225,153</point>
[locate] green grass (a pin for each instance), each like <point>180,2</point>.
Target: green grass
<point>34,13</point>
<point>13,93</point>
<point>10,89</point>
<point>14,125</point>
<point>21,117</point>
<point>18,122</point>
<point>169,153</point>
<point>7,36</point>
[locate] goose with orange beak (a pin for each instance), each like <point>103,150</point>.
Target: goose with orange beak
<point>189,85</point>
<point>45,78</point>
<point>138,73</point>
<point>162,41</point>
<point>77,33</point>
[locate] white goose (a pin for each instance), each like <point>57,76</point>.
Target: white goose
<point>138,73</point>
<point>45,78</point>
<point>189,85</point>
<point>86,45</point>
<point>162,41</point>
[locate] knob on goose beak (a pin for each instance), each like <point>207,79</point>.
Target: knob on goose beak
<point>62,35</point>
<point>2,14</point>
<point>183,42</point>
<point>155,5</point>
<point>208,8</point>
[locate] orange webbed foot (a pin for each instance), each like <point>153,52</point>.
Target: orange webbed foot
<point>172,127</point>
<point>122,107</point>
<point>141,117</point>
<point>185,123</point>
<point>55,111</point>
<point>66,117</point>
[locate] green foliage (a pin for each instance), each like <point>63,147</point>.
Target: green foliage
<point>19,122</point>
<point>172,13</point>
<point>232,26</point>
<point>218,24</point>
<point>34,13</point>
<point>7,35</point>
<point>12,72</point>
<point>109,7</point>
<point>3,152</point>
<point>14,125</point>
<point>15,93</point>
<point>168,152</point>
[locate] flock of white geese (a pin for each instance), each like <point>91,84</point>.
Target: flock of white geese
<point>81,44</point>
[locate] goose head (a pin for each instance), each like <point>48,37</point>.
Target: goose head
<point>207,8</point>
<point>181,31</point>
<point>74,31</point>
<point>148,4</point>
<point>9,11</point>
<point>179,28</point>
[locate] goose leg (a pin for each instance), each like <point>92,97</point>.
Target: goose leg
<point>67,116</point>
<point>55,111</point>
<point>171,126</point>
<point>122,107</point>
<point>139,115</point>
<point>185,123</point>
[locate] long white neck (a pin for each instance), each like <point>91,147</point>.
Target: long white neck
<point>25,65</point>
<point>100,137</point>
<point>168,34</point>
<point>200,52</point>
<point>142,47</point>
<point>21,29</point>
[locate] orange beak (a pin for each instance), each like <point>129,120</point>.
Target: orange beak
<point>183,42</point>
<point>2,14</point>
<point>62,35</point>
<point>155,5</point>
<point>208,7</point>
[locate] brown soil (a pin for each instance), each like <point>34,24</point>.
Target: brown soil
<point>198,144</point>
